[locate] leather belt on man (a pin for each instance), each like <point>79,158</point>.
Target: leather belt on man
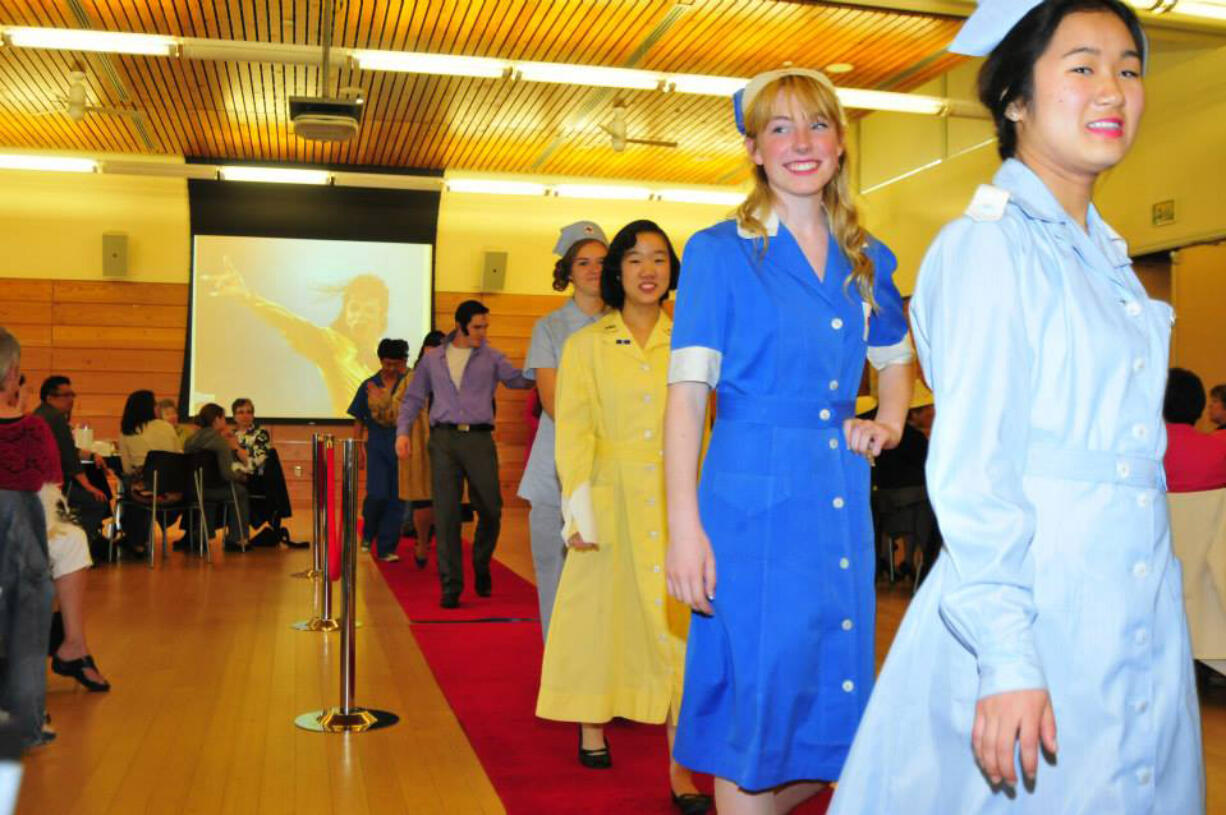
<point>466,428</point>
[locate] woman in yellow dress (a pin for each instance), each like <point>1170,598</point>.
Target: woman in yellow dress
<point>616,644</point>
<point>415,488</point>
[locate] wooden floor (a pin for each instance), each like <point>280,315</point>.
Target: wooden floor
<point>209,676</point>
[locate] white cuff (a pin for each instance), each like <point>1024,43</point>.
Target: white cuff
<point>883,356</point>
<point>578,515</point>
<point>695,364</point>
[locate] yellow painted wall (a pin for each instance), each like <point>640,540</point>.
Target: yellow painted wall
<point>51,225</point>
<point>1199,285</point>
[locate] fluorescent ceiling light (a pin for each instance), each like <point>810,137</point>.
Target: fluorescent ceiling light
<point>55,164</point>
<point>495,187</point>
<point>896,102</point>
<point>600,191</point>
<point>416,63</point>
<point>706,85</point>
<point>594,75</point>
<point>1213,11</point>
<point>702,197</point>
<point>275,175</point>
<point>79,39</point>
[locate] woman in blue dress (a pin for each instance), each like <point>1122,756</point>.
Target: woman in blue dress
<point>776,312</point>
<point>1057,606</point>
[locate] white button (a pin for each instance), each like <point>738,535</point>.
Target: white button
<point>848,685</point>
<point>1141,637</point>
<point>647,434</point>
<point>824,414</point>
<point>645,367</point>
<point>659,602</point>
<point>837,503</point>
<point>1140,431</point>
<point>651,502</point>
<point>663,637</point>
<point>834,444</point>
<point>1144,775</point>
<point>1140,706</point>
<point>847,625</point>
<point>836,323</point>
<point>834,384</point>
<point>1122,469</point>
<point>1133,308</point>
<point>1138,365</point>
<point>1140,569</point>
<point>653,534</point>
<point>656,568</point>
<point>1143,499</point>
<point>646,397</point>
<point>844,563</point>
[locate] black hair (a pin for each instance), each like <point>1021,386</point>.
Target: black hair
<point>1185,397</point>
<point>611,289</point>
<point>465,312</point>
<point>432,340</point>
<point>1007,77</point>
<point>210,413</point>
<point>239,402</point>
<point>392,349</point>
<point>561,269</point>
<point>1218,392</point>
<point>52,384</point>
<point>139,410</point>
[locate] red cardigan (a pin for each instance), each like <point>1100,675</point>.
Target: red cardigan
<point>1194,461</point>
<point>28,455</point>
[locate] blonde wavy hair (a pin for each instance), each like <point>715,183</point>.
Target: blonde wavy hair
<point>816,100</point>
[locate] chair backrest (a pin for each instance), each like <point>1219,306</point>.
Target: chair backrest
<point>172,470</point>
<point>205,463</point>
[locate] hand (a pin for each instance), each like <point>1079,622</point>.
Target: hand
<point>99,461</point>
<point>402,447</point>
<point>227,283</point>
<point>576,541</point>
<point>690,568</point>
<point>97,494</point>
<point>868,438</point>
<point>1002,719</point>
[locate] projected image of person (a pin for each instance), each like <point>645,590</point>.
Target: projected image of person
<point>341,350</point>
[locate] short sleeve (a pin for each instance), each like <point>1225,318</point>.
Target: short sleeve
<point>359,408</point>
<point>701,317</point>
<point>543,351</point>
<point>887,336</point>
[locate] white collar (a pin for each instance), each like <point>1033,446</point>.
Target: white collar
<point>768,219</point>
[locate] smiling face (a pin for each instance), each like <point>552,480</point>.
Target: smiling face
<point>585,269</point>
<point>244,416</point>
<point>798,149</point>
<point>1088,98</point>
<point>646,269</point>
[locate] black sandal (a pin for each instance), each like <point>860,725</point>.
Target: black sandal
<point>598,759</point>
<point>692,803</point>
<point>75,668</point>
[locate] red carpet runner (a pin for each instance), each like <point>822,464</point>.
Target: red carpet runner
<point>489,673</point>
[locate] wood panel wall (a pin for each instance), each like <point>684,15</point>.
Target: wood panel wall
<point>113,337</point>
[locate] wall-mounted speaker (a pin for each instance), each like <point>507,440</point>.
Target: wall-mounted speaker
<point>494,276</point>
<point>114,254</point>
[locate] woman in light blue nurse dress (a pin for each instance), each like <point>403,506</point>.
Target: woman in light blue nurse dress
<point>1056,612</point>
<point>779,671</point>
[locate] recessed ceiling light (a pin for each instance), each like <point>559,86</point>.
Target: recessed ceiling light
<point>840,68</point>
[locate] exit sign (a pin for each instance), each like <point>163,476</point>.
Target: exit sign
<point>1164,213</point>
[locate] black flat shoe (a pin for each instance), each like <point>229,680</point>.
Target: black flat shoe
<point>75,668</point>
<point>598,759</point>
<point>420,561</point>
<point>483,584</point>
<point>450,601</point>
<point>692,803</point>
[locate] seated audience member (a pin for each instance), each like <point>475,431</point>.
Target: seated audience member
<point>91,505</point>
<point>214,435</point>
<point>252,438</point>
<point>140,433</point>
<point>28,456</point>
<point>1195,461</point>
<point>169,411</point>
<point>1217,406</point>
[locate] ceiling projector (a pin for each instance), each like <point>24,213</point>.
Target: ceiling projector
<point>318,118</point>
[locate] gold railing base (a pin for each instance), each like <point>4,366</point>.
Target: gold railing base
<point>357,720</point>
<point>309,574</point>
<point>317,624</point>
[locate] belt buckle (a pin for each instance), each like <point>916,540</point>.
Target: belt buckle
<point>463,428</point>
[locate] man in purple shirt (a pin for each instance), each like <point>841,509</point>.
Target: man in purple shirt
<point>461,375</point>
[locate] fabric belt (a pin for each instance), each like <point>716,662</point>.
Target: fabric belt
<point>1096,467</point>
<point>466,428</point>
<point>638,451</point>
<point>802,413</point>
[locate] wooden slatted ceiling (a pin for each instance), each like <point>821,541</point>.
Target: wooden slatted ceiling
<point>239,110</point>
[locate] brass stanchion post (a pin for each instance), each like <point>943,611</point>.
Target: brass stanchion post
<point>322,481</point>
<point>316,568</point>
<point>348,717</point>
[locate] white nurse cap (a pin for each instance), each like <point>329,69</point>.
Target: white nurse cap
<point>578,231</point>
<point>742,99</point>
<point>992,21</point>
